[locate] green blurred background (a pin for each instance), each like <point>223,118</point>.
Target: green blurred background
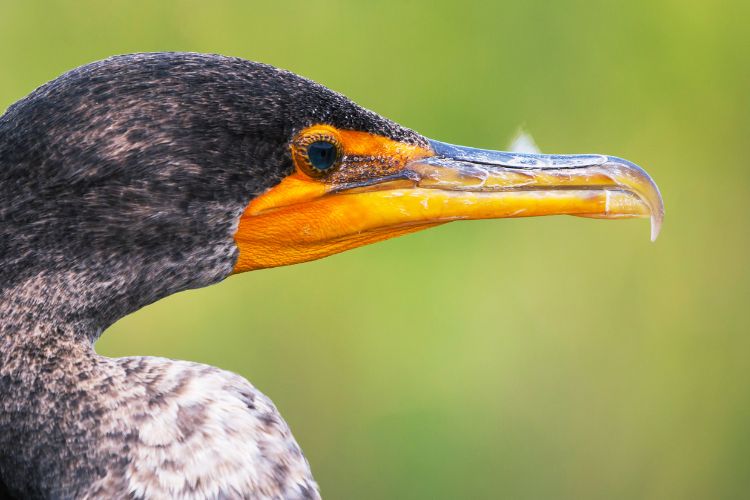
<point>554,358</point>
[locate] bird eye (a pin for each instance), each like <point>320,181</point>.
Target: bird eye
<point>317,151</point>
<point>322,155</point>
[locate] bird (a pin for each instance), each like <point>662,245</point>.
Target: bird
<point>132,178</point>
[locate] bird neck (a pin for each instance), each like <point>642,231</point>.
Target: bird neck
<point>82,299</point>
<point>39,325</point>
<point>51,386</point>
<point>47,304</point>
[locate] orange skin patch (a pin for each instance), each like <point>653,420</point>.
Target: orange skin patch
<point>299,219</point>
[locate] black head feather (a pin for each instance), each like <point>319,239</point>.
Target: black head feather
<point>124,179</point>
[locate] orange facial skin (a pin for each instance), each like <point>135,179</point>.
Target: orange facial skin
<point>303,218</point>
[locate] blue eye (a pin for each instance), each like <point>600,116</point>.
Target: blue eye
<point>322,155</point>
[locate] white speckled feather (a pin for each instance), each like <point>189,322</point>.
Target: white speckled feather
<point>205,433</point>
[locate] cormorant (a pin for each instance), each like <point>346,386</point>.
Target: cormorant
<point>132,178</point>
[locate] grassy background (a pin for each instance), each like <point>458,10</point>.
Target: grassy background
<point>542,358</point>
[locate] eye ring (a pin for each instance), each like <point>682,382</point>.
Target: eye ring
<point>317,154</point>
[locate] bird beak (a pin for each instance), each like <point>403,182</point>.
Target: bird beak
<point>303,219</point>
<point>501,184</point>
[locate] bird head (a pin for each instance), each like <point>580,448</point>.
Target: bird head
<point>145,174</point>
